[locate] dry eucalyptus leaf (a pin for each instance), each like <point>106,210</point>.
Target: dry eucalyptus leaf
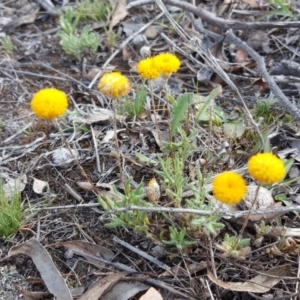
<point>261,84</point>
<point>87,248</point>
<point>119,12</point>
<point>102,286</point>
<point>259,284</point>
<point>152,294</point>
<point>28,295</point>
<point>43,262</point>
<point>186,270</point>
<point>29,14</point>
<point>85,185</point>
<point>252,3</point>
<point>124,290</point>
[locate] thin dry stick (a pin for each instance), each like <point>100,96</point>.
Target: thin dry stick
<point>228,214</point>
<point>96,149</point>
<point>248,216</point>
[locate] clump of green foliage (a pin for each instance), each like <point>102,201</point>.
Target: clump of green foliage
<point>73,43</point>
<point>137,220</point>
<point>7,44</point>
<point>263,109</point>
<point>11,212</point>
<point>135,108</point>
<point>281,8</point>
<point>93,10</point>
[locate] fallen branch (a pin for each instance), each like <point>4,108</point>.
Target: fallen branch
<point>216,21</point>
<point>234,214</point>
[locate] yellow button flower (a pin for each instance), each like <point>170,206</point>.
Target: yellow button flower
<point>148,69</point>
<point>114,85</point>
<point>229,188</point>
<point>49,103</point>
<point>167,63</point>
<point>266,168</point>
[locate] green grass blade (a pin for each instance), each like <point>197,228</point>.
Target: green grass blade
<point>179,110</point>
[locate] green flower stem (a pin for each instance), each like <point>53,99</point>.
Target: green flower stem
<point>117,143</point>
<point>155,118</point>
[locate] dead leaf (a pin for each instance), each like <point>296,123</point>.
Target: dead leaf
<point>240,56</point>
<point>28,295</point>
<point>262,85</point>
<point>29,15</point>
<point>259,284</point>
<point>252,3</point>
<point>152,294</point>
<point>124,290</point>
<point>190,269</point>
<point>87,248</point>
<point>43,262</point>
<point>102,286</point>
<point>119,13</point>
<point>85,185</point>
<point>218,52</point>
<point>161,137</point>
<point>127,53</point>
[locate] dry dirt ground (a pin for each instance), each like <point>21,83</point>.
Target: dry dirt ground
<point>27,144</point>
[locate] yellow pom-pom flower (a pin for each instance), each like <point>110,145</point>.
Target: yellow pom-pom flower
<point>266,168</point>
<point>114,85</point>
<point>148,69</point>
<point>166,63</point>
<point>49,103</point>
<point>229,188</point>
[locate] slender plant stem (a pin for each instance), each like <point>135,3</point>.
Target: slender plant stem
<point>155,117</point>
<point>117,143</point>
<point>169,123</point>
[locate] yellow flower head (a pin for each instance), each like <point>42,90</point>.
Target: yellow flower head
<point>49,103</point>
<point>148,69</point>
<point>114,85</point>
<point>229,188</point>
<point>167,63</point>
<point>266,168</point>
